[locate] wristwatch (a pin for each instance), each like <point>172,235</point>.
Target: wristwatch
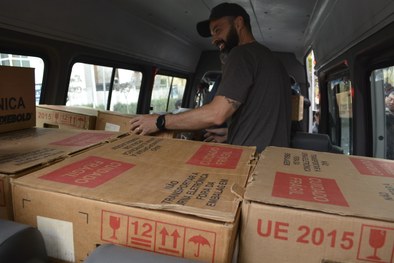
<point>161,122</point>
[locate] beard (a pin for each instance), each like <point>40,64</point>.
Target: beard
<point>232,40</point>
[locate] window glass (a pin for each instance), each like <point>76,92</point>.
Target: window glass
<point>126,90</point>
<point>382,84</point>
<point>207,88</point>
<point>29,62</point>
<point>314,93</point>
<point>90,86</point>
<point>340,113</point>
<point>167,93</point>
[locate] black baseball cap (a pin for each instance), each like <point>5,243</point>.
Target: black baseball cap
<point>219,11</point>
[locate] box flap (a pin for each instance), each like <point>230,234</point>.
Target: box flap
<point>71,109</point>
<point>156,173</point>
<point>332,183</point>
<point>28,148</point>
<point>224,158</point>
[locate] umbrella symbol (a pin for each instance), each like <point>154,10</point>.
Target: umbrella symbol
<point>199,240</point>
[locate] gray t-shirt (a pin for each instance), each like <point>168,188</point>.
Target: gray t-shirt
<point>253,76</point>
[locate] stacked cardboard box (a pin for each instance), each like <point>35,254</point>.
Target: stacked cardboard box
<point>27,150</point>
<point>74,117</point>
<point>115,121</point>
<point>306,206</point>
<point>71,117</point>
<point>24,149</point>
<point>17,98</point>
<point>175,197</point>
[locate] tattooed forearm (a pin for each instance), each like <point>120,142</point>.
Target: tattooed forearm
<point>235,104</point>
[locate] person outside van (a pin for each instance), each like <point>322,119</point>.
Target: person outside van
<point>254,93</point>
<point>389,102</point>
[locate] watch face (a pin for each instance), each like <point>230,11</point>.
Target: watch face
<point>161,122</point>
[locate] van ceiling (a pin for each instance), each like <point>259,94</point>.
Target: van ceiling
<point>157,31</point>
<point>164,31</point>
<point>280,25</point>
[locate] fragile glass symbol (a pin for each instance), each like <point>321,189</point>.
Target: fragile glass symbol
<point>114,222</point>
<point>377,239</point>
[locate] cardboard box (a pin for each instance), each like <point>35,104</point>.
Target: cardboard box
<point>297,107</point>
<point>31,149</point>
<point>17,98</point>
<point>306,206</point>
<point>66,117</point>
<point>175,197</point>
<point>114,121</point>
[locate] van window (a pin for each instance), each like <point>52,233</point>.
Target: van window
<point>340,113</point>
<point>382,96</point>
<point>93,86</point>
<point>37,63</point>
<point>167,93</point>
<point>126,91</point>
<point>314,93</point>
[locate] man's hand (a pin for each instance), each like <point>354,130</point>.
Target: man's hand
<point>144,124</point>
<point>216,135</point>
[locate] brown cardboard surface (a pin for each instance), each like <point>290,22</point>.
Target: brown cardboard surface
<point>340,184</point>
<point>280,234</point>
<point>176,175</point>
<point>72,227</point>
<point>17,98</point>
<point>72,117</point>
<point>297,107</point>
<point>27,150</point>
<point>306,206</point>
<point>223,158</point>
<point>114,121</point>
<point>138,178</point>
<point>5,198</point>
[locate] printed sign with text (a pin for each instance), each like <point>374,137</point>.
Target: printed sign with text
<point>308,188</point>
<point>89,172</point>
<point>216,157</point>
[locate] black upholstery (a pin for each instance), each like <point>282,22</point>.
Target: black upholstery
<point>21,243</point>
<point>117,254</point>
<point>314,141</point>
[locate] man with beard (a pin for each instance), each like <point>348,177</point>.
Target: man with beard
<point>253,95</point>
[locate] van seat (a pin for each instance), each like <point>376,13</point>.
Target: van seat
<point>117,254</point>
<point>21,243</point>
<point>314,141</point>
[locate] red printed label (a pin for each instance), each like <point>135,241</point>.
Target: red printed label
<point>89,172</point>
<point>373,167</point>
<point>84,139</point>
<point>308,188</point>
<point>216,157</point>
<point>376,244</point>
<point>157,236</point>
